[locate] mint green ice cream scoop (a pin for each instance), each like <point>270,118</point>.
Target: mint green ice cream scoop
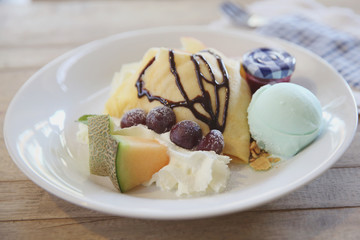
<point>284,118</point>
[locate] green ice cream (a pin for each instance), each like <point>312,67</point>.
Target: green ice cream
<point>284,118</point>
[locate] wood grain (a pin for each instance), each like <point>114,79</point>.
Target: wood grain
<point>297,224</point>
<point>32,35</point>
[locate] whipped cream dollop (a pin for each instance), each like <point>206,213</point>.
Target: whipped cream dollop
<point>82,135</point>
<point>189,173</point>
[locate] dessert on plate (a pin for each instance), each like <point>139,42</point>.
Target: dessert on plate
<point>178,117</point>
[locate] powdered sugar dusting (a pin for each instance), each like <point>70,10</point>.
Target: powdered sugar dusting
<point>213,141</point>
<point>216,136</point>
<point>160,119</point>
<point>133,117</point>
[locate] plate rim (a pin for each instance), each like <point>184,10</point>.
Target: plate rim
<point>150,215</point>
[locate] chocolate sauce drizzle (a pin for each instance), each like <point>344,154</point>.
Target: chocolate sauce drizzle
<point>203,99</point>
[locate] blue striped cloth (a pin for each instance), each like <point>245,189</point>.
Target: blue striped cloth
<point>340,49</point>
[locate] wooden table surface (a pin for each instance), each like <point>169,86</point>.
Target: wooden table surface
<point>31,35</point>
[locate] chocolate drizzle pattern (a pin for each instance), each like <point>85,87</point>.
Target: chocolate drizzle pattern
<point>212,120</point>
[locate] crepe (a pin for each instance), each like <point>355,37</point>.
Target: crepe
<point>200,84</point>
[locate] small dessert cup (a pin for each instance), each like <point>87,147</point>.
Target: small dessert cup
<point>266,66</point>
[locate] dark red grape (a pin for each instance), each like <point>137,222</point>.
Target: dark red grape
<point>186,134</point>
<point>133,117</point>
<point>213,141</point>
<point>160,119</point>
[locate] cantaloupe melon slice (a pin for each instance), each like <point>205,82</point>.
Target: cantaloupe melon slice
<point>128,161</point>
<point>137,159</point>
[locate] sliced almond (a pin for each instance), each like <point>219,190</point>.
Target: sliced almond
<point>261,164</point>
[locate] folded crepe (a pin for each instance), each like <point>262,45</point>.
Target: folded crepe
<point>200,84</point>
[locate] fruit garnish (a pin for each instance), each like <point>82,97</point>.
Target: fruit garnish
<point>186,134</point>
<point>133,117</point>
<point>128,161</point>
<point>137,159</point>
<point>102,148</point>
<point>160,119</point>
<point>213,141</point>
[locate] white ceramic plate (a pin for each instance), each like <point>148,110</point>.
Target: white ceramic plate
<point>40,127</point>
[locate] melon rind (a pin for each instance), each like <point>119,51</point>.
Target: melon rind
<point>102,147</point>
<point>111,164</point>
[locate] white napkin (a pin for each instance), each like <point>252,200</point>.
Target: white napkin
<point>331,32</point>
